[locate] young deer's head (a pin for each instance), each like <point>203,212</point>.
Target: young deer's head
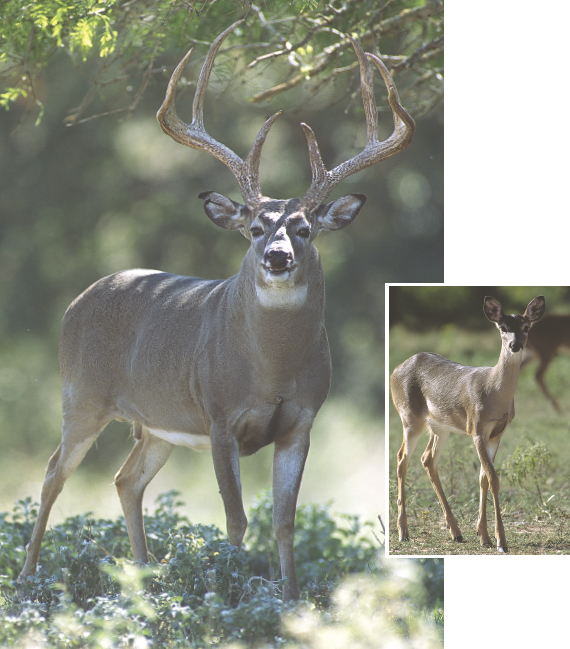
<point>514,328</point>
<point>282,231</point>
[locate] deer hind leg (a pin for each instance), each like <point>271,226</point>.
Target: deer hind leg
<point>288,464</point>
<point>539,376</point>
<point>77,437</point>
<point>486,455</point>
<point>146,459</point>
<point>482,531</point>
<point>430,459</point>
<point>413,429</point>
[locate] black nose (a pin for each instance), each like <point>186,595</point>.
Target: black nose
<point>516,346</point>
<point>277,259</point>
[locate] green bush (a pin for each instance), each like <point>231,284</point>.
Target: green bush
<point>201,591</point>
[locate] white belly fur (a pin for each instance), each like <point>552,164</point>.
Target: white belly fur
<point>195,442</point>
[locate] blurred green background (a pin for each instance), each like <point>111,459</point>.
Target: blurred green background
<point>82,202</point>
<point>449,320</point>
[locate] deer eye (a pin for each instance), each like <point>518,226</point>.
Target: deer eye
<point>304,232</point>
<point>256,231</point>
<point>526,328</point>
<point>503,329</point>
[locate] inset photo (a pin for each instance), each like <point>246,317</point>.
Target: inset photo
<point>488,364</point>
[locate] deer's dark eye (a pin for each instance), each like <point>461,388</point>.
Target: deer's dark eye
<point>503,329</point>
<point>256,231</point>
<point>526,328</point>
<point>304,233</point>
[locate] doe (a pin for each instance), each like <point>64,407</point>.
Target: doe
<point>231,365</point>
<point>550,336</point>
<point>430,391</point>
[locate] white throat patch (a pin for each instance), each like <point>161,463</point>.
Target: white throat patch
<point>280,296</point>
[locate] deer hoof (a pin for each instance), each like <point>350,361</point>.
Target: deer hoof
<point>502,549</point>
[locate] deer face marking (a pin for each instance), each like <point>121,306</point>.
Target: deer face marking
<point>280,236</point>
<point>514,328</point>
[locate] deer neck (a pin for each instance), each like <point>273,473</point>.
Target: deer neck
<point>281,323</point>
<point>505,374</point>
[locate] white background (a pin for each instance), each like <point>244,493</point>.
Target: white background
<point>506,202</point>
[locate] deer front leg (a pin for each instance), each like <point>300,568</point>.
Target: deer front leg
<point>288,464</point>
<point>486,457</point>
<point>225,453</point>
<point>146,459</point>
<point>484,538</point>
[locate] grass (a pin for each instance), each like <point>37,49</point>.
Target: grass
<point>536,509</point>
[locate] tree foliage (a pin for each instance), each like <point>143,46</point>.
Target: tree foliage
<point>120,46</point>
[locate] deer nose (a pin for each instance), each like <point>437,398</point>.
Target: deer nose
<point>516,346</point>
<point>278,259</point>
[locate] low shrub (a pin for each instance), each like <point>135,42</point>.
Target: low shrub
<point>200,591</point>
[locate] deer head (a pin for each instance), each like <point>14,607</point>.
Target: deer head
<point>281,226</point>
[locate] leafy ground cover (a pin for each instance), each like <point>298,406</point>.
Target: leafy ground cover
<point>202,592</point>
<point>532,461</point>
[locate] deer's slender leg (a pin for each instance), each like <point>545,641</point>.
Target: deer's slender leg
<point>544,362</point>
<point>482,531</point>
<point>77,437</point>
<point>493,484</point>
<point>413,429</point>
<point>288,464</point>
<point>225,453</point>
<point>430,459</point>
<point>146,459</point>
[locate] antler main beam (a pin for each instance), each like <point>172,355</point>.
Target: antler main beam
<point>374,151</point>
<point>246,172</point>
<point>194,135</point>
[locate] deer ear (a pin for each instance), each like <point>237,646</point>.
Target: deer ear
<point>536,308</point>
<point>340,213</point>
<point>224,212</point>
<point>493,309</point>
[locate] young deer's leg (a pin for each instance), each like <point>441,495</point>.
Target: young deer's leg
<point>413,429</point>
<point>77,438</point>
<point>544,362</point>
<point>288,464</point>
<point>146,459</point>
<point>430,459</point>
<point>225,454</point>
<point>482,531</point>
<point>493,484</point>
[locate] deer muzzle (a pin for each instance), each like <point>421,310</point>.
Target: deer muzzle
<point>516,346</point>
<point>278,259</point>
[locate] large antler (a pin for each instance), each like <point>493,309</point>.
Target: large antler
<point>195,136</point>
<point>324,181</point>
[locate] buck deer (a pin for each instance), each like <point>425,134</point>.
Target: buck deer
<point>232,365</point>
<point>430,391</point>
<point>550,336</point>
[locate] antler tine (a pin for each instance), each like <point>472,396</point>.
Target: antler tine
<point>195,135</point>
<point>324,181</point>
<point>249,173</point>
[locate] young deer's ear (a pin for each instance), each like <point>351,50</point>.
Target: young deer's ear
<point>340,213</point>
<point>224,212</point>
<point>492,309</point>
<point>535,309</point>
